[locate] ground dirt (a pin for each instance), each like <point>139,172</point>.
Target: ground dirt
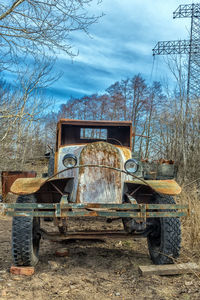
<point>92,270</point>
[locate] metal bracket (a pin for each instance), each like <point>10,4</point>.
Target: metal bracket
<point>64,200</point>
<point>60,206</point>
<point>57,210</point>
<point>143,212</point>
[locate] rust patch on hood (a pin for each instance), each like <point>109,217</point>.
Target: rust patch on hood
<point>99,185</point>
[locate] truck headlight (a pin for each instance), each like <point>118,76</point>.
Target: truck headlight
<point>131,165</point>
<point>69,160</point>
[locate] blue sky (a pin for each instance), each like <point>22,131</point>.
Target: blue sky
<point>120,46</point>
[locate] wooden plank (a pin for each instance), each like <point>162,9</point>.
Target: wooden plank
<point>168,269</point>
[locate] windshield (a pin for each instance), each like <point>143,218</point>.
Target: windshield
<point>76,134</point>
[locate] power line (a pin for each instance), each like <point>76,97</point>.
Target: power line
<point>190,47</point>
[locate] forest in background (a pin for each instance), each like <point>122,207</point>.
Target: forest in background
<point>171,131</point>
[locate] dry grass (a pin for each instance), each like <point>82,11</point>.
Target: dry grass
<point>191,224</point>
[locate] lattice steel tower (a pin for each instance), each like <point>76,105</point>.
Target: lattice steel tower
<point>190,47</point>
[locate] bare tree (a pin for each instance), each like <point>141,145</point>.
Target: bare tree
<point>178,132</point>
<point>30,26</point>
<point>23,108</point>
<point>155,101</point>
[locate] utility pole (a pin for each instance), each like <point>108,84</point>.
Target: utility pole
<point>190,47</point>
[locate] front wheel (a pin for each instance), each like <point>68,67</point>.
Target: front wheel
<point>165,238</point>
<point>25,236</point>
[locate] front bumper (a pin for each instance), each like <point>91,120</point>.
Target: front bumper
<point>64,210</point>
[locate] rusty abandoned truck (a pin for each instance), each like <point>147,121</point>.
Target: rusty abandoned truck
<point>94,175</point>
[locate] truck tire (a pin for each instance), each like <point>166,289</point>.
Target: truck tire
<point>165,239</point>
<point>25,236</point>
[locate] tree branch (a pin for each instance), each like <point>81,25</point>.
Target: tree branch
<point>11,9</point>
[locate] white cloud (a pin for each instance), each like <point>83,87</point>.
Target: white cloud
<point>121,43</point>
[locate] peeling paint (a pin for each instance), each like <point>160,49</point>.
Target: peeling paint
<point>100,185</point>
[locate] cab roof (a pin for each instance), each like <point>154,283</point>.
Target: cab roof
<point>94,122</point>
